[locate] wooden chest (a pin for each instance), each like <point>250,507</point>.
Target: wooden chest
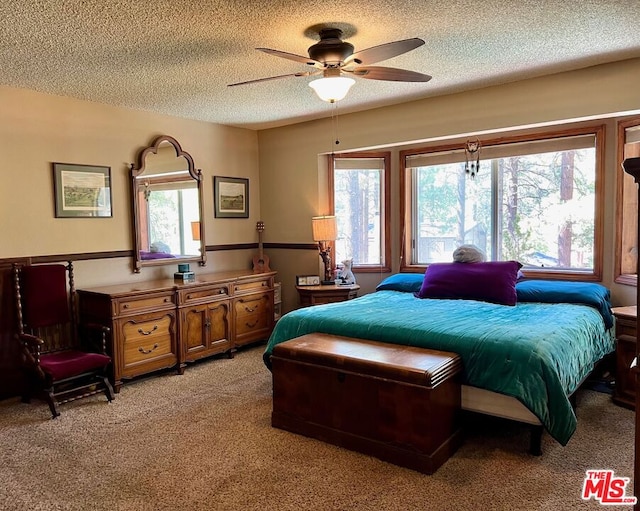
<point>398,403</point>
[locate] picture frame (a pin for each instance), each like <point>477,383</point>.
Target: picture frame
<point>231,197</point>
<point>307,280</point>
<point>81,190</point>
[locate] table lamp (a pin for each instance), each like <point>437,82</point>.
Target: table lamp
<point>324,231</point>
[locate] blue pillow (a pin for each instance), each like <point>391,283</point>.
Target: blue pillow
<point>404,282</point>
<point>559,291</point>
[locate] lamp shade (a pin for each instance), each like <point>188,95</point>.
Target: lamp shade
<point>195,231</point>
<point>332,89</point>
<point>324,228</point>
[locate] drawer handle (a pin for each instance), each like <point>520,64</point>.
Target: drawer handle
<point>250,325</point>
<point>166,300</point>
<point>249,309</point>
<point>221,291</point>
<point>188,297</point>
<point>125,306</point>
<point>146,352</point>
<point>143,332</point>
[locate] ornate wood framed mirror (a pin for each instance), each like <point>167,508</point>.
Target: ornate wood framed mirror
<point>168,218</point>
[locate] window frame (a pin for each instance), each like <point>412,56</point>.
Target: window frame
<point>598,130</point>
<point>385,190</point>
<point>625,187</point>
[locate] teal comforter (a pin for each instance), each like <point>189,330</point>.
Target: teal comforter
<point>536,352</point>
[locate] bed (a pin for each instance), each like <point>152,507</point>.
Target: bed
<point>521,362</point>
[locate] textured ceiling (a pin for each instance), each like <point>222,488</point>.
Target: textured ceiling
<point>177,56</point>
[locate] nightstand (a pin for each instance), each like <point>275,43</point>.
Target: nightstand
<point>317,295</point>
<point>624,392</point>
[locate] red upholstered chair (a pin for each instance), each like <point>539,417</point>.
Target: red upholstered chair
<point>62,360</point>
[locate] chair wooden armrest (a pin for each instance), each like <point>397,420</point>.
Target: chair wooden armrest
<point>31,341</point>
<point>31,347</point>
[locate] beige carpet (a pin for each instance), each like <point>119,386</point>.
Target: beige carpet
<point>203,441</point>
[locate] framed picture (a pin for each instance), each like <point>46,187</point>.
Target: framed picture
<point>231,197</point>
<point>81,190</point>
<point>307,280</point>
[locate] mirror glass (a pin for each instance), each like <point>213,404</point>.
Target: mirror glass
<point>167,196</point>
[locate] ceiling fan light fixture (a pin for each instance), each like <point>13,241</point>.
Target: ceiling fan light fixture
<point>332,89</point>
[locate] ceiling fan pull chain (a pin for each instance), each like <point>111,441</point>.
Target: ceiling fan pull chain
<point>334,118</point>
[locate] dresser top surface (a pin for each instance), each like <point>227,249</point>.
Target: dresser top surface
<point>168,285</point>
<point>628,311</point>
<point>329,287</point>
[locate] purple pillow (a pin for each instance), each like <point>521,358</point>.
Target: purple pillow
<point>493,282</point>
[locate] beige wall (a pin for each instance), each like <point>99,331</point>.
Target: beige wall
<point>285,171</point>
<point>38,129</point>
<point>289,164</point>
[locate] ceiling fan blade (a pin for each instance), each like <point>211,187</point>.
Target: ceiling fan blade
<point>291,56</point>
<point>389,73</point>
<point>306,73</point>
<point>384,51</point>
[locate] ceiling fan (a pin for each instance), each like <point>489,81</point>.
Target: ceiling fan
<point>335,60</point>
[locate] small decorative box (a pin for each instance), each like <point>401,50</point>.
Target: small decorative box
<point>184,276</point>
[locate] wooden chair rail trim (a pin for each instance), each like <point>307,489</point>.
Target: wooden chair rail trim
<point>89,256</point>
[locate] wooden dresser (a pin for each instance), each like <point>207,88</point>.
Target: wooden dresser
<point>165,323</point>
<point>624,392</point>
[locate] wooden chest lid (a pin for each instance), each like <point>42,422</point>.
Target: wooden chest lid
<point>384,360</point>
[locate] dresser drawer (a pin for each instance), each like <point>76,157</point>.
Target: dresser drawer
<point>625,326</point>
<point>134,305</point>
<point>253,317</point>
<point>253,285</point>
<point>254,323</point>
<point>199,294</point>
<point>148,343</point>
<point>252,305</point>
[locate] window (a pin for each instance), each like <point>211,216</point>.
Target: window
<point>534,200</point>
<point>359,187</point>
<point>627,205</point>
